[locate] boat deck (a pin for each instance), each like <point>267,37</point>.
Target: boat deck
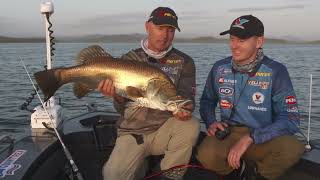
<point>90,139</point>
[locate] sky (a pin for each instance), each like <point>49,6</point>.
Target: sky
<point>286,19</point>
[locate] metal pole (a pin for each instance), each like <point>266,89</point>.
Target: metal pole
<point>47,9</point>
<point>48,41</point>
<point>308,147</point>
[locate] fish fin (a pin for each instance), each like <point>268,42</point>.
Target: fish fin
<point>132,55</point>
<point>80,90</point>
<point>48,81</point>
<point>87,54</point>
<point>134,92</point>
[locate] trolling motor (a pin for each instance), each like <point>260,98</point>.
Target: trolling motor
<point>39,118</point>
<point>49,113</point>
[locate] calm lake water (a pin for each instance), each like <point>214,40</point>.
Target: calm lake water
<point>15,87</point>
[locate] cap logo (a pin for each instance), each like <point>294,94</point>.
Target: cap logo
<point>239,23</point>
<point>164,13</point>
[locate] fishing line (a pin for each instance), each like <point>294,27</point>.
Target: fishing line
<point>66,151</point>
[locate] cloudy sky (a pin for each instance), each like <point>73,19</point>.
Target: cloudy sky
<point>289,19</point>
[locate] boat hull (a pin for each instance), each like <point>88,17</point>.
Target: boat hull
<point>90,138</point>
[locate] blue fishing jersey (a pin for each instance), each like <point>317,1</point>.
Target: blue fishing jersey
<point>263,100</point>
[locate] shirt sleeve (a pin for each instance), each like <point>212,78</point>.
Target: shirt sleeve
<point>209,100</point>
<point>186,86</point>
<point>285,112</point>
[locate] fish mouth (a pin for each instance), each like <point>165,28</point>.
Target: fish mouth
<point>178,105</point>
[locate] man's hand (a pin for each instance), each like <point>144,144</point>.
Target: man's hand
<point>214,127</point>
<point>237,150</point>
<point>184,115</point>
<point>107,88</point>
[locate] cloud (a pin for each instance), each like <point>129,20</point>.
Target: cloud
<point>130,23</point>
<point>5,20</point>
<point>105,24</point>
<point>110,20</point>
<point>271,8</point>
<point>17,27</point>
<point>138,18</point>
<point>7,25</point>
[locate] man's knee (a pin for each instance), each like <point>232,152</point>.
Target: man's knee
<point>185,131</point>
<point>191,129</point>
<point>211,155</point>
<point>122,163</point>
<point>291,148</point>
<point>112,170</point>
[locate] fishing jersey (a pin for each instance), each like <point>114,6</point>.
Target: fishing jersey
<point>264,100</point>
<point>181,70</point>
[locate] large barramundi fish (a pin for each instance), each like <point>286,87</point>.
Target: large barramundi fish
<point>144,84</point>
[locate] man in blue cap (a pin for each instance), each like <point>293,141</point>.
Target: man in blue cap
<point>258,106</point>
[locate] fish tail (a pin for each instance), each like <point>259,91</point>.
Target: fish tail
<point>48,82</point>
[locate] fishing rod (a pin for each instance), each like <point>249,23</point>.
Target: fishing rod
<point>65,149</point>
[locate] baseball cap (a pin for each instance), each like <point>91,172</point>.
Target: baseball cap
<point>245,27</point>
<point>164,16</point>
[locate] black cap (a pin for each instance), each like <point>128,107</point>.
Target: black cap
<point>245,27</point>
<point>164,16</point>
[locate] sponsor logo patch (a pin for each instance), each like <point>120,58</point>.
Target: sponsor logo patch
<point>227,91</point>
<point>292,109</point>
<point>293,116</point>
<point>224,71</point>
<point>170,15</point>
<point>258,98</point>
<point>170,70</point>
<point>221,80</point>
<point>227,81</point>
<point>173,61</point>
<point>7,167</point>
<point>225,104</point>
<point>257,108</point>
<point>261,84</point>
<point>239,23</point>
<point>263,74</point>
<point>291,100</point>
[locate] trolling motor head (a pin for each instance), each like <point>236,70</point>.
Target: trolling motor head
<point>46,8</point>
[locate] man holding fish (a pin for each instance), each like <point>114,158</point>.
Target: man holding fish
<point>144,131</point>
<point>153,89</point>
